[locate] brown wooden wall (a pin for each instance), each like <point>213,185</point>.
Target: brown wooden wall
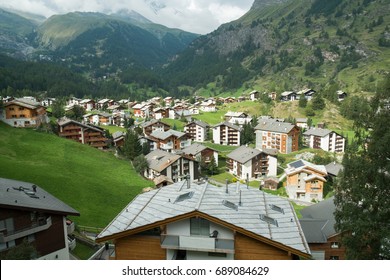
<point>138,247</point>
<point>247,248</point>
<point>329,251</point>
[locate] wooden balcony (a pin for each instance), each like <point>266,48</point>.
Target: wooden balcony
<point>69,133</point>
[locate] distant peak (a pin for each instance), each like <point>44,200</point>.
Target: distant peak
<point>131,14</point>
<point>263,3</point>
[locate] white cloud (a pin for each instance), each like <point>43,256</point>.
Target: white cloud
<point>199,16</point>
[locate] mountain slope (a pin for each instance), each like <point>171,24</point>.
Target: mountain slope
<point>289,44</point>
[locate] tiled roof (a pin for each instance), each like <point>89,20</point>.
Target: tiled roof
<point>243,154</point>
<point>162,204</point>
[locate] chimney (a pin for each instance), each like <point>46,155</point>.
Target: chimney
<point>188,177</point>
<point>239,202</point>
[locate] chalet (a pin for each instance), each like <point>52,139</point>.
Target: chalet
<point>170,140</point>
<point>302,123</point>
<point>114,107</point>
<point>24,113</point>
<point>73,101</point>
<point>306,93</point>
<point>98,119</point>
<point>270,183</point>
<point>118,138</point>
<point>341,95</point>
<point>168,100</point>
<point>237,118</point>
<point>197,130</point>
<point>208,106</point>
<point>305,180</point>
<point>178,114</point>
<point>227,133</point>
<point>228,100</point>
<point>254,95</point>
<point>30,213</point>
<point>318,224</point>
<point>325,139</point>
<point>173,166</point>
<point>288,96</point>
<point>272,134</point>
<point>103,104</point>
<point>160,113</point>
<point>248,163</point>
<point>333,169</point>
<point>47,102</point>
<point>119,118</point>
<point>137,109</point>
<point>154,125</point>
<point>88,104</point>
<point>272,95</point>
<point>199,221</point>
<point>201,153</point>
<point>82,133</point>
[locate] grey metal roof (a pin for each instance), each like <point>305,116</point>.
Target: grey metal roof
<point>313,230</point>
<point>21,195</point>
<point>274,126</point>
<point>161,204</point>
<point>321,132</point>
<point>229,125</point>
<point>165,134</point>
<point>118,134</point>
<point>301,164</point>
<point>334,168</point>
<point>158,160</point>
<point>323,210</point>
<point>243,154</point>
<point>200,123</point>
<point>194,149</point>
<point>66,121</point>
<point>24,102</point>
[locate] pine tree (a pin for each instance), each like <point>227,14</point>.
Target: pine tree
<point>362,196</point>
<point>132,146</point>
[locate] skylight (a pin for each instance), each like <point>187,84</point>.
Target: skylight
<point>268,219</point>
<point>184,196</point>
<point>277,208</point>
<point>230,205</point>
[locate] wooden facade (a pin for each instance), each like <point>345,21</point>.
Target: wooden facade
<point>139,247</point>
<point>26,115</point>
<point>332,249</point>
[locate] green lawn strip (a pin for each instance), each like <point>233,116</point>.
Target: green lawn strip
<point>82,251</point>
<point>175,123</point>
<point>112,128</point>
<point>94,182</point>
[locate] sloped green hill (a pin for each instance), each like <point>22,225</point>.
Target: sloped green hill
<point>291,44</point>
<point>95,183</point>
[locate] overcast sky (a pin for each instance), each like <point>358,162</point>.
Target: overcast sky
<point>198,16</point>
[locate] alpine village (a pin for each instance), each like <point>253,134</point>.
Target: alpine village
<point>266,139</point>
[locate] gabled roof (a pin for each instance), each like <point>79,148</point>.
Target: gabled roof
<point>162,135</point>
<point>228,124</point>
<point>21,195</point>
<point>321,132</point>
<point>323,214</point>
<point>273,125</point>
<point>152,122</point>
<point>236,114</point>
<point>159,160</point>
<point>334,168</point>
<point>301,165</point>
<point>66,121</point>
<point>243,154</point>
<point>200,123</point>
<point>287,93</point>
<point>194,149</point>
<point>177,202</point>
<point>23,102</point>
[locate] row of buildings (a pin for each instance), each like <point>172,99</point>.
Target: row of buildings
<point>184,221</point>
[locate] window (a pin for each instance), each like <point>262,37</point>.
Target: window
<point>11,108</point>
<point>199,226</point>
<point>335,245</point>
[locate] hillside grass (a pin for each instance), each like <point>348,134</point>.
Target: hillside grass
<point>93,182</point>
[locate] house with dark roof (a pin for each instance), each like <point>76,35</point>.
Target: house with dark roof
<point>237,118</point>
<point>248,163</point>
<point>30,213</point>
<point>318,224</point>
<point>154,125</point>
<point>23,112</point>
<point>174,166</point>
<point>199,221</point>
<point>306,93</point>
<point>170,140</point>
<point>201,153</point>
<point>288,96</point>
<point>325,139</point>
<point>197,130</point>
<point>227,133</point>
<point>305,180</point>
<point>83,133</point>
<point>274,134</point>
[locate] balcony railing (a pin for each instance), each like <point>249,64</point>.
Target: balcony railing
<point>197,243</point>
<point>34,228</point>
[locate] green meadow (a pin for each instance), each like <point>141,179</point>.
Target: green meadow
<point>94,182</point>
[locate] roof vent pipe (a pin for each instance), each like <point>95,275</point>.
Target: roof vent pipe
<point>188,177</point>
<point>239,202</point>
<point>227,190</point>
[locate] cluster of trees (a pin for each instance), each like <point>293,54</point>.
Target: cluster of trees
<point>134,151</point>
<point>362,195</point>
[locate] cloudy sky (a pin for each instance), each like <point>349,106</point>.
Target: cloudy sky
<point>198,16</point>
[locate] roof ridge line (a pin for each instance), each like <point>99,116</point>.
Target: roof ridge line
<point>300,229</point>
<point>266,212</point>
<point>201,196</point>
<point>142,209</point>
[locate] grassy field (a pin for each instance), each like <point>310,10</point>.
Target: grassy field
<point>95,183</point>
